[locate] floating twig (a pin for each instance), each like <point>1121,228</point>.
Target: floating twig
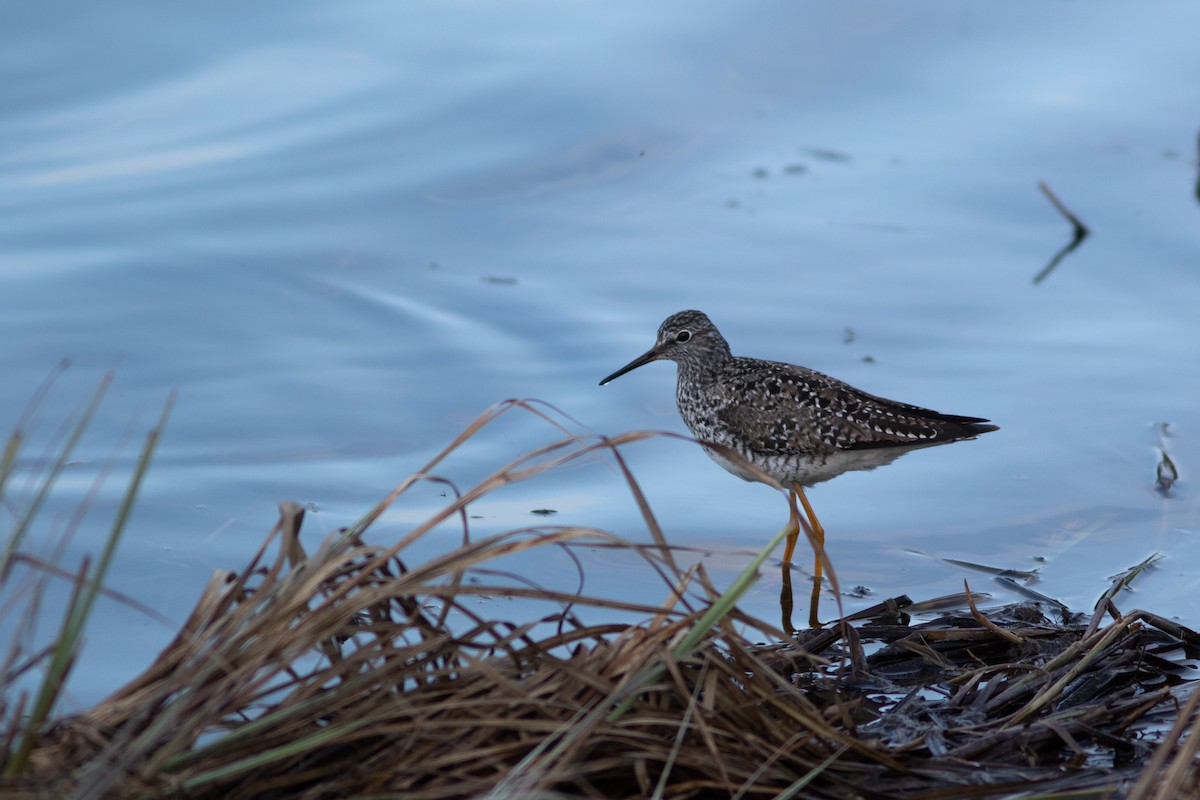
<point>1080,233</point>
<point>1120,581</point>
<point>987,623</point>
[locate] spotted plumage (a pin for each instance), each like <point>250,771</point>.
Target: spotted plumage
<point>798,426</point>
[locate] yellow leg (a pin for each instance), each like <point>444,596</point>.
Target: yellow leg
<point>812,526</point>
<point>818,532</point>
<point>793,528</point>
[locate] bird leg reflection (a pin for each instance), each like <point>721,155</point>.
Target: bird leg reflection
<point>785,599</point>
<point>814,601</point>
<point>816,537</point>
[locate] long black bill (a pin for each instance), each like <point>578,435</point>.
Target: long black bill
<point>650,355</point>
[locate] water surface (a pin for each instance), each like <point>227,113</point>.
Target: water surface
<point>340,233</point>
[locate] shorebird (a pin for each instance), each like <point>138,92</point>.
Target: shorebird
<point>798,426</point>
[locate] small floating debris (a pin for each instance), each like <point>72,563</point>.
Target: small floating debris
<point>1167,473</point>
<point>822,154</point>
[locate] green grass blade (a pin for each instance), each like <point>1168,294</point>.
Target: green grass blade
<point>22,526</point>
<point>11,447</point>
<point>713,614</point>
<point>266,757</point>
<point>67,647</point>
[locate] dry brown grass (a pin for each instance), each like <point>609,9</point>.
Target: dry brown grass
<point>347,672</point>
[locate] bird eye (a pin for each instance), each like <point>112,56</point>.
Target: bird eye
<point>683,336</point>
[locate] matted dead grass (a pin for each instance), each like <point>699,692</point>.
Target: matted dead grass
<point>349,672</point>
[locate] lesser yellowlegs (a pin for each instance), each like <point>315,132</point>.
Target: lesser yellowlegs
<point>798,426</point>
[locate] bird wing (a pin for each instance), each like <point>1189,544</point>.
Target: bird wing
<point>798,410</point>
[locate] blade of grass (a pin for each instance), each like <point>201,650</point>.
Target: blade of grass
<point>22,526</point>
<point>20,430</point>
<point>276,753</point>
<point>67,646</point>
<point>708,619</point>
<point>11,448</point>
<point>807,778</point>
<point>1049,693</point>
<point>1120,581</point>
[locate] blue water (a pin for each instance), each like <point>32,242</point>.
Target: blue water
<point>342,232</point>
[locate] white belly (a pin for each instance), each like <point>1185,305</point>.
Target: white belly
<point>807,471</point>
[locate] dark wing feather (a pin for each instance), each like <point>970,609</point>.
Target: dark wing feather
<point>783,408</point>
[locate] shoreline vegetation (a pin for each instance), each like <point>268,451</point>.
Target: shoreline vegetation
<point>357,670</point>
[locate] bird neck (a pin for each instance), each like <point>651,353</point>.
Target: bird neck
<point>705,366</point>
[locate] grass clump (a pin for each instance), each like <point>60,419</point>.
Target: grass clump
<point>24,717</point>
<point>355,671</point>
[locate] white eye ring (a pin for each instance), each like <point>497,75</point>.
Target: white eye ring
<point>683,336</point>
